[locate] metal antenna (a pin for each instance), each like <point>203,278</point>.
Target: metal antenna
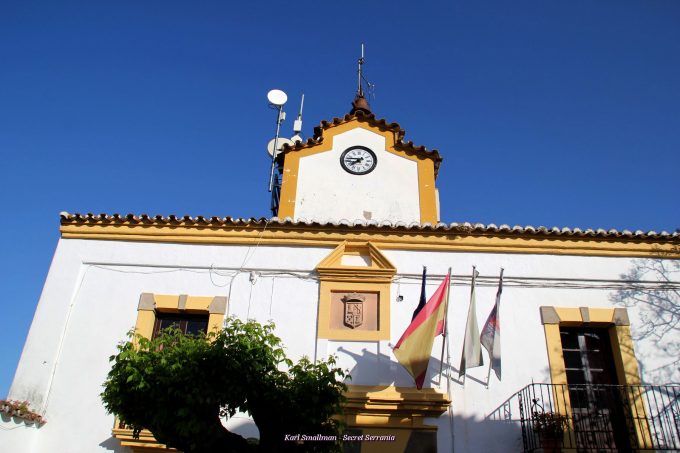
<point>279,119</point>
<point>297,124</point>
<point>360,89</point>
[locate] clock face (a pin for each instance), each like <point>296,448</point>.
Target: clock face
<point>358,160</point>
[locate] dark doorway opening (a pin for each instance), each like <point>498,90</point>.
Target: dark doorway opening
<point>600,414</point>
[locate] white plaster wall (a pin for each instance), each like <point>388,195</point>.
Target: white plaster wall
<point>90,300</point>
<point>327,192</point>
<point>16,436</point>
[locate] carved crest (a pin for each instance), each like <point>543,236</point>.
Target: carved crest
<point>354,309</point>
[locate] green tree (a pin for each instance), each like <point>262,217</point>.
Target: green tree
<point>180,387</point>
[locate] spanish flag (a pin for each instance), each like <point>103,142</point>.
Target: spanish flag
<point>414,348</point>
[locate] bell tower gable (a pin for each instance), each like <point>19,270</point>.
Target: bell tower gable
<point>359,168</point>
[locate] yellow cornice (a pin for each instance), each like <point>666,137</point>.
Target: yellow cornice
<point>366,275</point>
<point>380,270</point>
<point>381,237</point>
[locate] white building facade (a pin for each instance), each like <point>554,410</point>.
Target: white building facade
<point>366,224</point>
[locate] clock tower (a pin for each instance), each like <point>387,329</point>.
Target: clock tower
<point>359,168</point>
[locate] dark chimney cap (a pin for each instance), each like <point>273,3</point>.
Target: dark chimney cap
<point>360,104</point>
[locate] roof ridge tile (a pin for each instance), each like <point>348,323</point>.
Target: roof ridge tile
<point>67,218</point>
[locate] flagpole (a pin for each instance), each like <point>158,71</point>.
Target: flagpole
<point>488,372</point>
<point>448,389</point>
<point>445,333</point>
<point>448,372</point>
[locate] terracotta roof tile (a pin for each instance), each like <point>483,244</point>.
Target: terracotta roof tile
<point>144,219</point>
<point>369,118</point>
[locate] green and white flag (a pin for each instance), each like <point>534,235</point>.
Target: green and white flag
<point>472,348</point>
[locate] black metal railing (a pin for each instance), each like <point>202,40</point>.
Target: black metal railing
<point>600,418</point>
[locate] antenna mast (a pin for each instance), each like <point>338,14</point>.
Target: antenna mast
<point>360,103</point>
<point>277,99</point>
<point>360,89</point>
<point>297,124</point>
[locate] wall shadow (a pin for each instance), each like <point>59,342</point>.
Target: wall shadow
<point>653,293</point>
<point>113,444</point>
<point>500,430</point>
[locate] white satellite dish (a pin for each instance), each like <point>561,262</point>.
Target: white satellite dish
<point>277,97</point>
<point>282,141</point>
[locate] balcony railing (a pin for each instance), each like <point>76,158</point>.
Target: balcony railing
<point>600,418</point>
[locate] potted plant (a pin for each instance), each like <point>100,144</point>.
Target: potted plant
<point>550,428</point>
<point>20,409</point>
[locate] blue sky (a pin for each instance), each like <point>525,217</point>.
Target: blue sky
<point>546,113</point>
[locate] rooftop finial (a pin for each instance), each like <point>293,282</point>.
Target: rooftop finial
<point>360,103</point>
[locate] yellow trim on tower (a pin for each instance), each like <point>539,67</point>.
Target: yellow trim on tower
<point>426,180</point>
<point>427,191</point>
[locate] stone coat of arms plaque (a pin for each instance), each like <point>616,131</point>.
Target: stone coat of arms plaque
<point>354,309</point>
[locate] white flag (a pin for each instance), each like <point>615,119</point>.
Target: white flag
<point>491,333</point>
<point>472,349</point>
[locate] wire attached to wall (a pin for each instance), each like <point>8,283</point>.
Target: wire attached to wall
<point>271,298</point>
<point>409,278</point>
<point>74,298</point>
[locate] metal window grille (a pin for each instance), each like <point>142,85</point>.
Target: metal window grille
<point>600,418</point>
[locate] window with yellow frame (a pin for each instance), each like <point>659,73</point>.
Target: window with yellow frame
<point>150,305</point>
<point>615,322</point>
<point>148,311</point>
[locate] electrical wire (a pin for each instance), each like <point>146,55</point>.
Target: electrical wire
<point>271,298</point>
<point>74,297</point>
<point>216,284</point>
<point>250,298</point>
<point>259,240</point>
<point>408,278</point>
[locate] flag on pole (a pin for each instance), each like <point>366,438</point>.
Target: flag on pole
<point>491,333</point>
<point>443,329</point>
<point>414,348</point>
<point>472,349</point>
<point>423,299</point>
